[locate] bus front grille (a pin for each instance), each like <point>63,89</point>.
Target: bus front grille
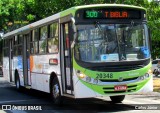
<point>116,80</point>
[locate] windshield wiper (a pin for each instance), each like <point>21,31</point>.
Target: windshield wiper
<point>123,45</point>
<point>129,31</point>
<point>98,26</point>
<point>105,39</point>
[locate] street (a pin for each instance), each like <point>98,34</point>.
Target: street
<point>32,101</point>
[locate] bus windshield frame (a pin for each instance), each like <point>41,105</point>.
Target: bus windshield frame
<point>99,43</point>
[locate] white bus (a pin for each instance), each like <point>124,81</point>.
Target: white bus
<point>82,52</point>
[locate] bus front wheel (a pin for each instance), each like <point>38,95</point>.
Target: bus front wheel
<point>117,99</point>
<point>55,92</point>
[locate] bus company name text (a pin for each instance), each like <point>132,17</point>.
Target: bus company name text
<point>17,107</point>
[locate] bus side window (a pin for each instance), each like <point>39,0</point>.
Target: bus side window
<point>53,38</point>
<point>34,41</point>
<point>6,48</point>
<point>43,39</point>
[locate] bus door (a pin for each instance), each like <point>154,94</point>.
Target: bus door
<point>66,59</point>
<point>26,71</point>
<point>11,59</point>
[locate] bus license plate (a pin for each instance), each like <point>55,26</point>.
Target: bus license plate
<point>120,88</point>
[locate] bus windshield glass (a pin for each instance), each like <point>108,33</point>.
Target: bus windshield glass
<point>112,42</point>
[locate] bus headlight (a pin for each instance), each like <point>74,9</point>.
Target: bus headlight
<point>81,75</point>
<point>95,81</point>
<point>150,71</point>
<point>85,78</point>
<point>144,77</point>
<point>141,78</point>
<point>88,79</point>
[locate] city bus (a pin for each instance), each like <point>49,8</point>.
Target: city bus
<point>83,52</point>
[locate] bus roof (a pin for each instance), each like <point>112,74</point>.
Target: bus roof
<point>104,5</point>
<point>64,13</point>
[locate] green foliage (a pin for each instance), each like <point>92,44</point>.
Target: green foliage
<point>30,17</point>
<point>154,25</point>
<point>15,10</point>
<point>33,10</point>
<point>1,41</point>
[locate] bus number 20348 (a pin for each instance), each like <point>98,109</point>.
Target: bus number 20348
<point>104,75</point>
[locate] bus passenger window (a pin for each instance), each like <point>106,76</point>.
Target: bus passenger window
<point>43,39</point>
<point>34,47</point>
<point>42,46</point>
<point>34,41</point>
<point>53,38</point>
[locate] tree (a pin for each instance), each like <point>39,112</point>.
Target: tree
<point>6,7</point>
<point>13,11</point>
<point>154,24</point>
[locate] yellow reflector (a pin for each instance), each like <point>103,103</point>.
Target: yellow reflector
<point>81,75</point>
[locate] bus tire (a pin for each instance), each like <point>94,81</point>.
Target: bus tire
<point>56,92</point>
<point>117,99</point>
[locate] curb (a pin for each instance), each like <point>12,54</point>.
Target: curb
<point>149,94</point>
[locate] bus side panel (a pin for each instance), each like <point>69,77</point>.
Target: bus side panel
<point>33,81</point>
<point>148,87</point>
<point>80,90</point>
<point>40,82</point>
<point>41,70</point>
<point>6,68</point>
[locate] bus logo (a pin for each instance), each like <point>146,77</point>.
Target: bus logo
<point>120,79</point>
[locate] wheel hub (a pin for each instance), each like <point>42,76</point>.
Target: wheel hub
<point>55,91</point>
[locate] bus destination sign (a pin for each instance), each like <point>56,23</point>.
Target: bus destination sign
<point>111,14</point>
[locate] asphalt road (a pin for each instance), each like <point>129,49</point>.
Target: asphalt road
<point>32,101</point>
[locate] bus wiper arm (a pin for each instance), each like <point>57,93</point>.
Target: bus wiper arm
<point>98,26</point>
<point>129,31</point>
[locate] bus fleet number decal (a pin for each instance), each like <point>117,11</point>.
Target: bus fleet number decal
<point>104,75</point>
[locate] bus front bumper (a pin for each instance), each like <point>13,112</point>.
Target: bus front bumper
<point>87,90</point>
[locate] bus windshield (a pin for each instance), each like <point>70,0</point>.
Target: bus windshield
<point>112,42</point>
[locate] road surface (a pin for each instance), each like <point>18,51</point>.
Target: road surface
<point>32,101</point>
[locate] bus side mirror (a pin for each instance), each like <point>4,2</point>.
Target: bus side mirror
<point>73,25</point>
<point>74,31</point>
